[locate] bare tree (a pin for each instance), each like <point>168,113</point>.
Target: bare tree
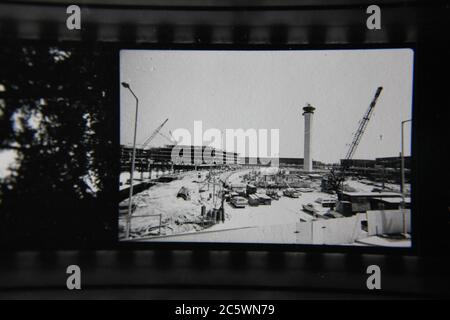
<point>336,179</point>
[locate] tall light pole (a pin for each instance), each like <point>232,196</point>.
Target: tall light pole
<point>133,160</point>
<point>402,186</point>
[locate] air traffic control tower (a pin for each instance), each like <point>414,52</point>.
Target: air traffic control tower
<point>308,113</point>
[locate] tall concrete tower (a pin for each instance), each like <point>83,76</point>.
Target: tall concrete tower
<point>308,112</point>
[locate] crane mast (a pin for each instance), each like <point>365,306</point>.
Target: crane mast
<point>362,126</point>
<point>154,133</point>
<point>170,138</point>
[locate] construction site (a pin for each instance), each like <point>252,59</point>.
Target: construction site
<point>363,202</point>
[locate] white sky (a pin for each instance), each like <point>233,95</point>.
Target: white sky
<point>267,89</point>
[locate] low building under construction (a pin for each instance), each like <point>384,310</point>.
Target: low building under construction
<point>177,156</point>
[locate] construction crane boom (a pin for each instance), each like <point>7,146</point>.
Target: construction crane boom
<point>154,133</point>
<point>362,126</point>
<point>165,137</point>
<point>170,138</point>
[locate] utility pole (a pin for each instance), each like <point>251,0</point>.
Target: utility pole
<point>402,187</point>
<point>403,158</point>
<point>214,191</point>
<point>133,160</point>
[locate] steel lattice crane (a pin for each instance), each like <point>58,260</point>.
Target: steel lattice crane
<point>154,133</point>
<point>362,126</point>
<point>171,139</point>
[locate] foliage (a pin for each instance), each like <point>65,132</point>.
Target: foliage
<point>336,179</point>
<point>57,116</point>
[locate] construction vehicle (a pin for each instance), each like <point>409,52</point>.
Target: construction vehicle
<point>338,174</point>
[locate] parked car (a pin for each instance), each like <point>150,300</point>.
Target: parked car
<point>273,194</point>
<point>309,208</point>
<point>239,202</point>
<point>292,193</point>
<point>264,199</point>
<point>233,194</point>
<point>327,202</point>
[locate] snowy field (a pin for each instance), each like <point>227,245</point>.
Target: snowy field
<point>179,216</point>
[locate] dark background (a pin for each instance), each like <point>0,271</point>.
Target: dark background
<point>47,202</point>
<point>68,217</point>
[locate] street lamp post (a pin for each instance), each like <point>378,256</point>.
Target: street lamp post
<point>402,186</point>
<point>133,160</point>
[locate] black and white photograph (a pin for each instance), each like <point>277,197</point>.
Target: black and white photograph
<point>308,147</point>
<point>223,158</point>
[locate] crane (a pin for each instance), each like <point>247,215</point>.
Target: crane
<point>170,138</point>
<point>154,133</point>
<point>165,137</point>
<point>362,126</point>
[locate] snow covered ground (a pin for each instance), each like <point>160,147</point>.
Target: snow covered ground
<point>179,216</point>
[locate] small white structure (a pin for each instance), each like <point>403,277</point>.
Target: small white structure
<point>388,221</point>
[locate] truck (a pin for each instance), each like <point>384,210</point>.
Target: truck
<point>253,200</point>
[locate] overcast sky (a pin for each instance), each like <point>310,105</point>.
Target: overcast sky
<point>267,89</point>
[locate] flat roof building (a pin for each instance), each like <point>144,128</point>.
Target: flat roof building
<point>179,155</point>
